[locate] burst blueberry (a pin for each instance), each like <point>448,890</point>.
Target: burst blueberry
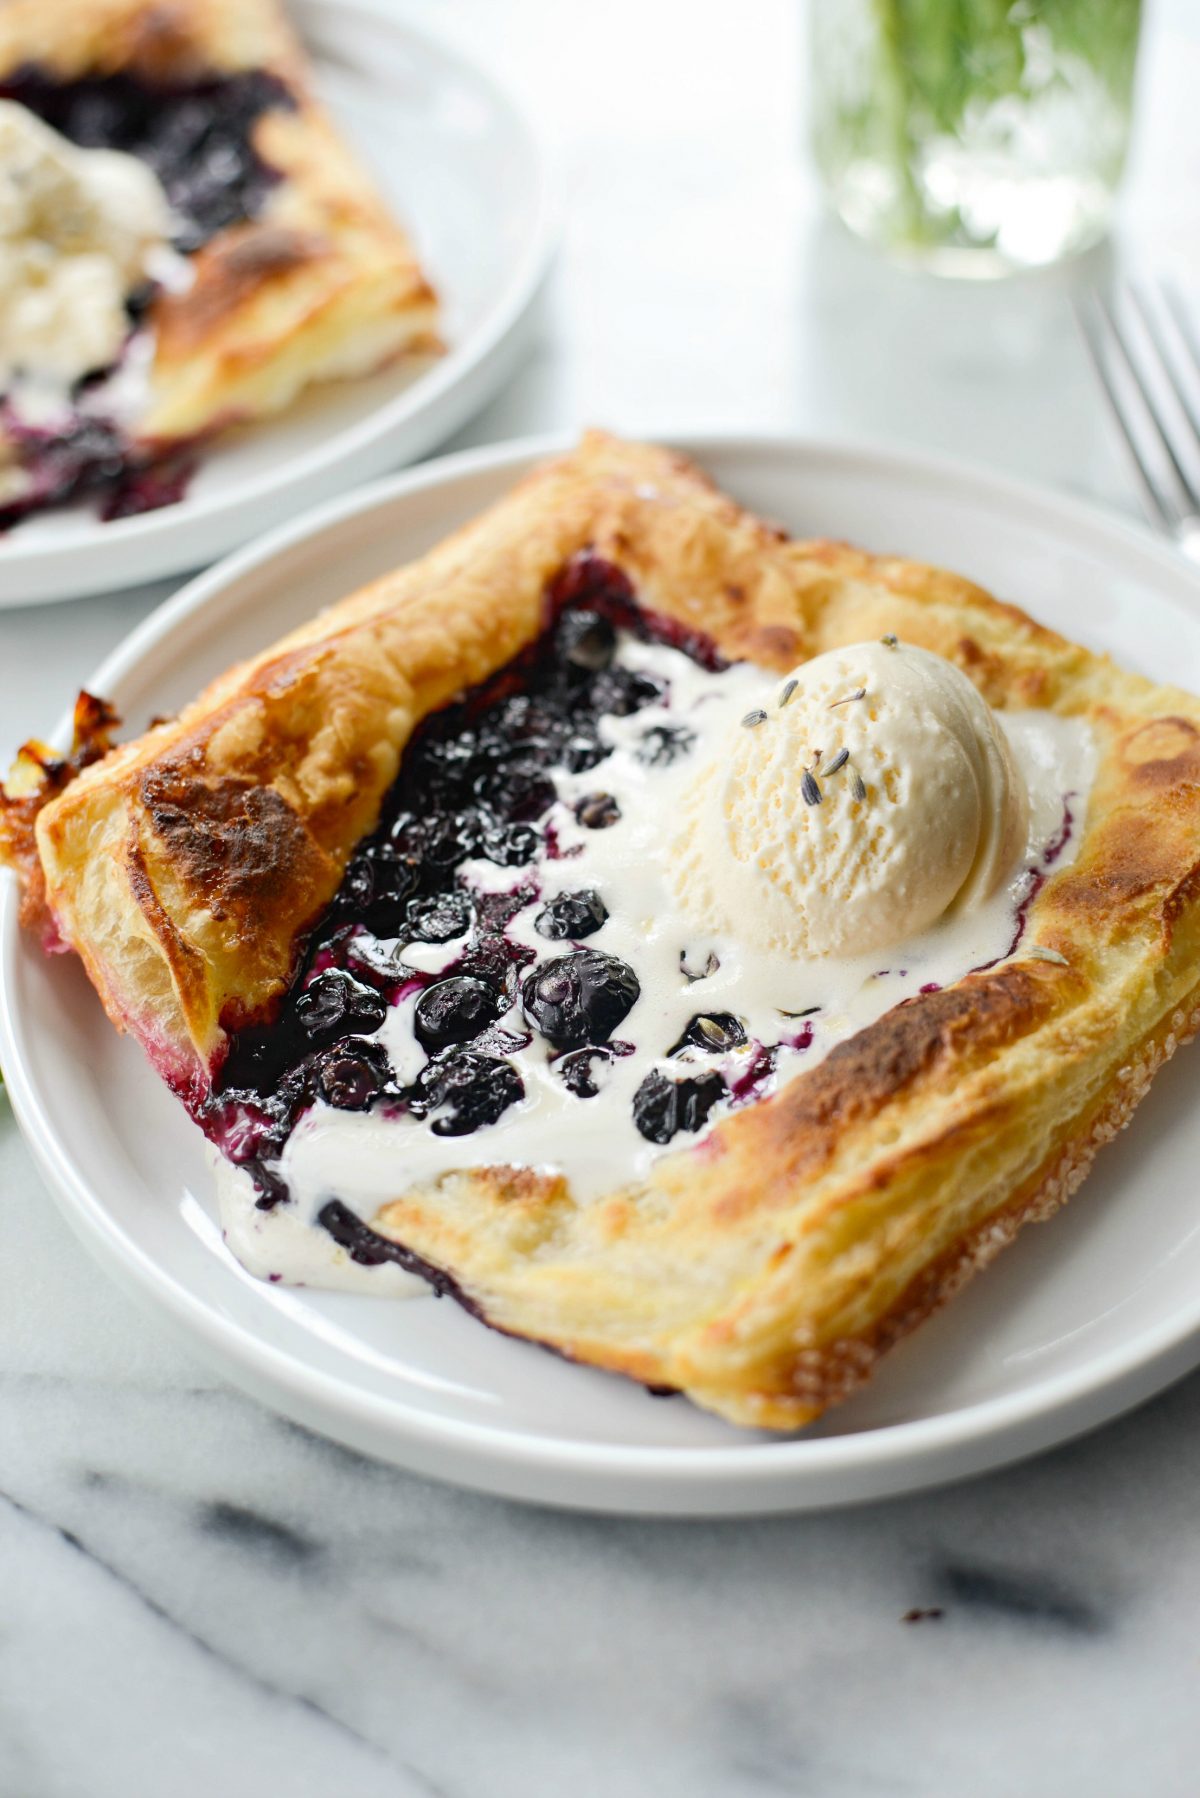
<point>352,1074</point>
<point>571,915</point>
<point>580,998</point>
<point>662,1107</point>
<point>477,1088</point>
<point>335,1004</point>
<point>455,1010</point>
<point>511,845</point>
<point>439,917</point>
<point>578,1070</point>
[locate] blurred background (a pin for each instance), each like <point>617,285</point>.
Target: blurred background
<point>705,281</point>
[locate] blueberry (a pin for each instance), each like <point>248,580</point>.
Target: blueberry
<point>269,1185</point>
<point>582,750</point>
<point>585,640</point>
<point>439,842</point>
<point>494,959</point>
<point>94,120</point>
<point>663,744</point>
<point>478,1088</point>
<point>713,1031</point>
<point>662,1106</point>
<point>335,1004</point>
<point>622,691</point>
<point>596,811</point>
<point>376,887</point>
<point>524,720</point>
<point>350,1075</point>
<point>442,770</point>
<point>515,789</point>
<point>572,915</point>
<point>455,1010</point>
<point>439,918</point>
<point>511,845</point>
<point>580,998</point>
<point>577,1073</point>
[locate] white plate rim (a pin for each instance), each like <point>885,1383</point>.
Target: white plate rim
<point>171,540</point>
<point>790,1475</point>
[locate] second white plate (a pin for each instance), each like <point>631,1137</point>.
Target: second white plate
<point>1079,1320</point>
<point>466,175</point>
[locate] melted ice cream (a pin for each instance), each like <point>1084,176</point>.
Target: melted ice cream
<point>793,1008</point>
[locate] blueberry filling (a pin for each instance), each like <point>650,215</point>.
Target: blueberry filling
<point>573,915</point>
<point>662,1106</point>
<point>91,455</point>
<point>197,137</point>
<point>198,140</point>
<point>477,781</point>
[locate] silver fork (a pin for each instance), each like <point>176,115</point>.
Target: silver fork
<point>1145,354</point>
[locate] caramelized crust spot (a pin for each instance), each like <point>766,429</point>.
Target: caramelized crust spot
<point>860,1076</point>
<point>1164,752</point>
<point>228,271</point>
<point>161,46</point>
<point>232,844</point>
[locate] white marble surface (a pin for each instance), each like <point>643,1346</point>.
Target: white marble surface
<point>197,1598</point>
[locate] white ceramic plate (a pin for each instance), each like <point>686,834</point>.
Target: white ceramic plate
<point>1079,1320</point>
<point>464,172</point>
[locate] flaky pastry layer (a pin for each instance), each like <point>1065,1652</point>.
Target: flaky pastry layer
<point>764,1270</point>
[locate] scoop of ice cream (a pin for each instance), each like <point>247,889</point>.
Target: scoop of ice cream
<point>77,230</point>
<point>873,790</point>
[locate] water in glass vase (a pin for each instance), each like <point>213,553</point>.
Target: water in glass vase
<point>973,136</point>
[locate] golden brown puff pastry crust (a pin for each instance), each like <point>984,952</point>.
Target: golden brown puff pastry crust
<point>764,1270</point>
<point>322,283</point>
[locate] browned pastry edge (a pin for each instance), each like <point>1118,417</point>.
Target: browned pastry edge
<point>827,1376</point>
<point>160,41</point>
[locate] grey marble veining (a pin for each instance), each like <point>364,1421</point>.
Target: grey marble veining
<point>187,1576</point>
<point>198,1598</point>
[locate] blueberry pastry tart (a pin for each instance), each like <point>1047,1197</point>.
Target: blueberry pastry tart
<point>692,949</point>
<point>185,243</point>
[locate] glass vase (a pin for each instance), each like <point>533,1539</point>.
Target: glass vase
<point>974,137</point>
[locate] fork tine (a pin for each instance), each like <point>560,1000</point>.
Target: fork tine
<point>1158,508</point>
<point>1186,502</point>
<point>1182,321</point>
<point>1186,350</point>
<point>1181,379</point>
